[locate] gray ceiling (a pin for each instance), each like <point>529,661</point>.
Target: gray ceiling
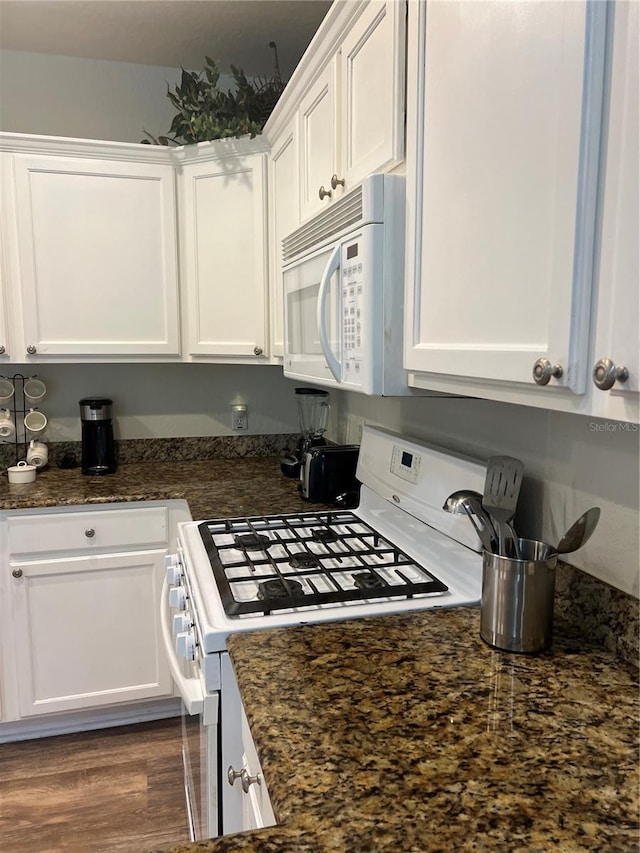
<point>171,33</point>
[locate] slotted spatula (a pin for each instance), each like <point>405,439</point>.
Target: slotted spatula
<point>501,490</point>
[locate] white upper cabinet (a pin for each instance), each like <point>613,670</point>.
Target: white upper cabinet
<point>223,243</point>
<point>319,142</point>
<point>372,86</point>
<point>92,248</point>
<point>504,117</point>
<point>347,96</point>
<point>616,359</point>
<point>284,217</point>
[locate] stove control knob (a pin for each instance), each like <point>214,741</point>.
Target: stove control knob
<point>178,598</point>
<point>174,575</point>
<point>182,622</point>
<point>186,645</point>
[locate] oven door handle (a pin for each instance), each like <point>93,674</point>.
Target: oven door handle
<point>190,689</point>
<point>333,264</point>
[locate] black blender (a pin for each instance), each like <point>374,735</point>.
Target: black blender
<point>314,411</point>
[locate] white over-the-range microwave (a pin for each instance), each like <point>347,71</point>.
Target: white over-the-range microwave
<point>343,277</point>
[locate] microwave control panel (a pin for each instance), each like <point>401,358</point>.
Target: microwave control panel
<point>353,309</point>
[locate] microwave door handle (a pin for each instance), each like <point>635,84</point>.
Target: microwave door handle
<point>333,264</point>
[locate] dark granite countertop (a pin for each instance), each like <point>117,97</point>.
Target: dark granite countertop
<point>217,488</point>
<point>409,734</point>
<point>404,733</point>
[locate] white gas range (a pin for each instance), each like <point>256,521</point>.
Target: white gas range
<point>397,552</point>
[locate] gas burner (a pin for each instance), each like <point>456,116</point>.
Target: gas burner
<point>304,560</point>
<point>278,588</point>
<point>252,541</point>
<point>368,580</point>
<point>324,535</point>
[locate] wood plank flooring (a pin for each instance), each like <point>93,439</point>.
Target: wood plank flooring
<point>118,790</point>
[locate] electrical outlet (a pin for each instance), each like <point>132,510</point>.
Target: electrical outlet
<point>239,417</point>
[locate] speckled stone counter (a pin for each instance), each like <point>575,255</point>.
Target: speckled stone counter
<point>409,734</point>
<point>214,488</point>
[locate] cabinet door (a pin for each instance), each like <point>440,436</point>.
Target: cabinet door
<point>284,215</point>
<point>87,631</point>
<point>4,338</point>
<point>318,143</point>
<point>225,263</point>
<point>97,257</point>
<point>502,183</point>
<point>618,309</point>
<point>372,74</point>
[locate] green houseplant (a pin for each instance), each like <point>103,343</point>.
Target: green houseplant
<point>205,112</point>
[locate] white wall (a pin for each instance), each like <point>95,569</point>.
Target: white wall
<point>167,400</point>
<point>90,99</point>
<point>572,462</point>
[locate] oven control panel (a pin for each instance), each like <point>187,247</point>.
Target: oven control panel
<point>405,464</point>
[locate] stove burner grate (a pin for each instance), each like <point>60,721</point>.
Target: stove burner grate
<point>252,541</point>
<point>359,566</point>
<point>304,560</point>
<point>278,588</point>
<point>369,580</point>
<point>324,535</point>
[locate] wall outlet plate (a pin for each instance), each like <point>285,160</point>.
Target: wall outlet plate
<point>239,419</point>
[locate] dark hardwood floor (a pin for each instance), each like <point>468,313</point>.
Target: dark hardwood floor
<point>118,790</point>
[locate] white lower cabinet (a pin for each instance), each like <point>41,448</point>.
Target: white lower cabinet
<point>80,600</point>
<point>257,811</point>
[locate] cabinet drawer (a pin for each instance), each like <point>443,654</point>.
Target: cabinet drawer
<point>82,531</point>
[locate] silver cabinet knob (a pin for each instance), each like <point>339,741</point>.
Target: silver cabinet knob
<point>247,780</point>
<point>17,573</point>
<point>2,350</point>
<point>257,350</point>
<point>543,370</point>
<point>605,374</point>
<point>90,533</point>
<point>31,350</point>
<point>232,775</point>
<point>336,182</point>
<point>322,193</point>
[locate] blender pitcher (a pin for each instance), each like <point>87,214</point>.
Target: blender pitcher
<point>314,410</point>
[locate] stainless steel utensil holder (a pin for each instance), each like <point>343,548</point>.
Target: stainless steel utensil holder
<point>516,609</point>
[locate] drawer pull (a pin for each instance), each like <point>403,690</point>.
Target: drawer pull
<point>90,533</point>
<point>17,573</point>
<point>232,775</point>
<point>247,780</point>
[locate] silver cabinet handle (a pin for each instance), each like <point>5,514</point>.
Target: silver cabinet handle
<point>543,370</point>
<point>232,774</point>
<point>31,350</point>
<point>606,374</point>
<point>2,350</point>
<point>90,533</point>
<point>257,350</point>
<point>17,573</point>
<point>247,780</point>
<point>336,182</point>
<point>322,193</point>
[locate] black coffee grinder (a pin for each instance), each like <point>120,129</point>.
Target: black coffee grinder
<point>314,411</point>
<point>98,449</point>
